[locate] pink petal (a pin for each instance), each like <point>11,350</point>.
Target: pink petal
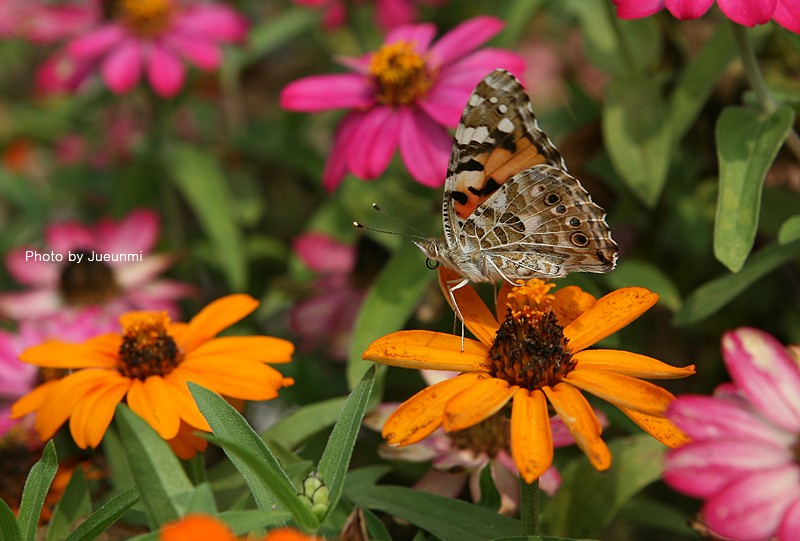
<point>790,524</point>
<point>550,481</point>
<point>762,368</point>
<point>168,290</point>
<point>97,42</point>
<point>469,71</point>
<point>23,265</point>
<point>636,9</point>
<point>336,166</point>
<point>137,232</point>
<point>751,509</point>
<point>323,254</point>
<point>701,469</point>
<point>445,104</point>
<point>132,274</point>
<point>30,304</point>
<point>62,237</point>
<point>419,34</point>
<point>334,16</point>
<point>62,73</point>
<point>787,14</point>
<point>324,92</point>
<point>165,71</point>
<point>506,482</point>
<point>704,418</point>
<point>216,22</point>
<point>203,53</point>
<point>374,143</point>
<point>122,68</point>
<point>464,38</point>
<point>393,13</point>
<point>448,485</point>
<point>424,147</point>
<point>748,12</point>
<point>688,9</point>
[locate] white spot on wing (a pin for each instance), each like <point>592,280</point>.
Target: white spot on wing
<point>481,134</point>
<point>464,136</point>
<point>493,100</point>
<point>475,100</point>
<point>506,126</point>
<point>502,108</point>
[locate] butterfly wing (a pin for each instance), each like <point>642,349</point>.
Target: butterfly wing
<point>541,223</point>
<point>498,137</point>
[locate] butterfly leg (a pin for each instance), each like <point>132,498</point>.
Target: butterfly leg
<point>458,284</point>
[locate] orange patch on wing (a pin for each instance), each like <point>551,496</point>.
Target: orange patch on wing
<point>503,165</point>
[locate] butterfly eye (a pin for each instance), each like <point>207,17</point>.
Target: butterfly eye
<point>552,199</point>
<point>431,264</point>
<point>579,239</point>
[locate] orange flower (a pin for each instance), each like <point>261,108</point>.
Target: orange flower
<point>538,355</point>
<point>208,528</point>
<point>150,363</point>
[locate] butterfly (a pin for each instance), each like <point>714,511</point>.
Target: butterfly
<point>510,210</point>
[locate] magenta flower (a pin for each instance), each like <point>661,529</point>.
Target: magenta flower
<point>150,36</point>
<point>67,276</point>
<point>388,13</point>
<point>42,22</point>
<point>403,95</point>
<point>746,12</point>
<point>742,459</point>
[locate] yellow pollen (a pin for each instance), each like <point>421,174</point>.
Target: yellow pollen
<point>145,18</point>
<point>530,300</point>
<point>147,349</point>
<point>401,73</point>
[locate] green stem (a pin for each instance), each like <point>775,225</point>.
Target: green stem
<point>744,43</point>
<point>529,507</point>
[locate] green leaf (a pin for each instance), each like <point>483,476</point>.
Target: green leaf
<point>390,302</point>
<point>790,230</point>
<point>274,32</point>
<point>336,457</point>
<point>243,522</point>
<point>713,295</point>
<point>201,179</point>
<point>9,529</point>
<point>446,518</point>
<point>747,143</point>
<point>658,515</point>
<point>638,135</point>
<point>490,496</point>
<point>298,426</point>
<point>518,15</point>
<point>201,500</point>
<point>283,491</point>
<point>104,517</point>
<point>158,473</point>
<point>229,425</point>
<point>635,272</point>
<point>36,486</point>
<point>73,504</point>
<point>588,499</point>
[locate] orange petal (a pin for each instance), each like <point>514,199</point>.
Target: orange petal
<point>423,413</point>
<point>477,317</point>
<point>99,352</point>
<point>151,400</point>
<point>219,315</point>
<point>33,400</point>
<point>238,378</point>
<point>203,527</point>
<point>629,364</point>
<point>93,413</point>
<point>622,391</point>
<point>184,402</point>
<point>428,350</point>
<point>477,402</point>
<point>571,302</point>
<point>502,300</point>
<point>660,428</point>
<point>579,418</point>
<point>186,445</point>
<point>608,315</point>
<point>531,439</point>
<point>265,349</point>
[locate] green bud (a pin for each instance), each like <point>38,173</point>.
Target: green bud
<point>315,494</point>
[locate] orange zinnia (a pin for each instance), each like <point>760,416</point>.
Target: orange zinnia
<point>538,355</point>
<point>150,363</point>
<point>208,528</point>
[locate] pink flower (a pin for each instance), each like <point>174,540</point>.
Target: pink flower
<point>150,36</point>
<point>42,22</point>
<point>746,12</point>
<point>404,95</point>
<point>66,276</point>
<point>742,459</point>
<point>388,13</point>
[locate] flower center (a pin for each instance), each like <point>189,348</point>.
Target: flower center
<point>145,18</point>
<point>530,349</point>
<point>490,437</point>
<point>401,73</point>
<point>147,349</point>
<point>87,282</point>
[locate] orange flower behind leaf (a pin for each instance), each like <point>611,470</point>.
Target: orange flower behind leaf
<point>208,528</point>
<point>535,357</point>
<point>148,364</point>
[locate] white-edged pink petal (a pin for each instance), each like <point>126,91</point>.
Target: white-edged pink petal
<point>464,38</point>
<point>166,289</point>
<point>787,14</point>
<point>62,237</point>
<point>131,274</point>
<point>636,9</point>
<point>30,304</point>
<point>137,232</point>
<point>165,71</point>
<point>703,468</point>
<point>122,67</point>
<point>27,269</point>
<point>324,92</point>
<point>424,147</point>
<point>336,165</point>
<point>506,482</point>
<point>688,9</point>
<point>323,254</point>
<point>374,143</point>
<point>790,524</point>
<point>752,508</point>
<point>420,35</point>
<point>97,42</point>
<point>202,53</point>
<point>747,12</point>
<point>550,481</point>
<point>761,367</point>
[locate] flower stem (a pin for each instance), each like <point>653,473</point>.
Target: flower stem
<point>529,507</point>
<point>744,43</point>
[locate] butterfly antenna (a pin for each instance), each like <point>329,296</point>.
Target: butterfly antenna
<point>379,209</point>
<point>362,226</point>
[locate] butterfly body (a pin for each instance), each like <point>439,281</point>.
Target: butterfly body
<point>511,211</point>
